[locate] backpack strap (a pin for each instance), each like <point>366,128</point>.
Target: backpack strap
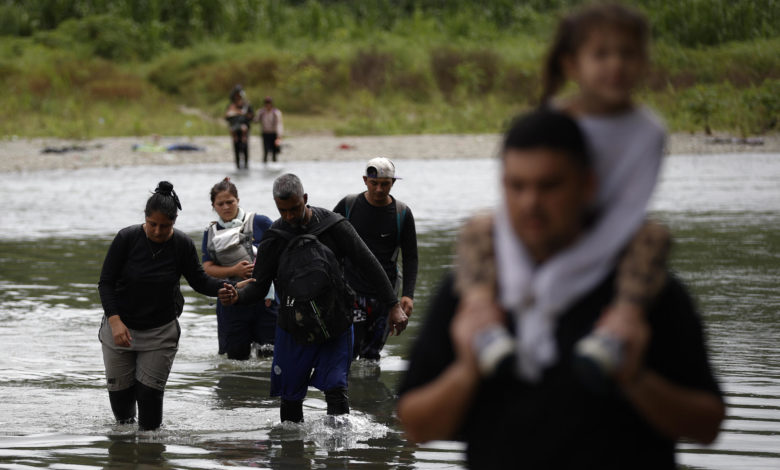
<point>349,204</point>
<point>248,229</point>
<point>210,232</point>
<point>329,222</point>
<point>400,215</point>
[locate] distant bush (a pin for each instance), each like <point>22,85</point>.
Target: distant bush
<point>104,36</point>
<point>128,88</point>
<point>710,22</point>
<point>370,69</point>
<point>14,21</point>
<point>763,103</point>
<point>470,72</point>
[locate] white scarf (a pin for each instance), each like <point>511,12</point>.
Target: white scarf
<point>237,222</point>
<point>627,152</point>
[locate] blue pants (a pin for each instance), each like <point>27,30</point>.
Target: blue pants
<point>293,363</point>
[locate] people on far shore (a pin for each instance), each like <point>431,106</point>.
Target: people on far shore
<point>239,115</point>
<point>387,227</point>
<point>271,129</point>
<point>229,249</point>
<point>141,298</point>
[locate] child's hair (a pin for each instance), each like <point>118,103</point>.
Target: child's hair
<point>574,29</point>
<point>224,185</point>
<point>549,129</point>
<point>164,200</point>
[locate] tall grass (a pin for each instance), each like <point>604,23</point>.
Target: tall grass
<point>84,68</point>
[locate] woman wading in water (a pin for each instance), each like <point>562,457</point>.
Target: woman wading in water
<point>139,290</point>
<point>229,250</point>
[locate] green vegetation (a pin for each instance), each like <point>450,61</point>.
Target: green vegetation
<point>87,68</point>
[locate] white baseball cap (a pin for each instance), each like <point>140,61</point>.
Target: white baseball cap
<point>380,167</point>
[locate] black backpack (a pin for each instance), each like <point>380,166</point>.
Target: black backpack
<point>316,302</point>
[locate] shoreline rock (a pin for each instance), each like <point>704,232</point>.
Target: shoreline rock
<point>36,154</point>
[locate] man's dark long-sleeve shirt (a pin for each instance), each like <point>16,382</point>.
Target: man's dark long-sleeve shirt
<point>341,238</point>
<point>140,278</point>
<point>378,227</point>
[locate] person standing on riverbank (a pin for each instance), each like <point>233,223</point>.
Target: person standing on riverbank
<point>271,128</point>
<point>467,379</point>
<point>228,248</point>
<point>386,225</point>
<point>239,115</point>
<point>313,344</point>
<point>141,298</point>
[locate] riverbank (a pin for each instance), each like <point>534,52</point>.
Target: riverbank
<point>47,154</point>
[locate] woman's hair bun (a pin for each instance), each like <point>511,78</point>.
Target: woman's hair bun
<point>164,187</point>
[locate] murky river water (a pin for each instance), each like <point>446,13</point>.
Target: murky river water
<point>56,227</point>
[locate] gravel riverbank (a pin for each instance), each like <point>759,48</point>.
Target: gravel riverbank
<point>44,154</point>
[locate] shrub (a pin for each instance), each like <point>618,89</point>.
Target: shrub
<point>369,70</point>
<point>14,21</point>
<point>108,36</point>
<point>127,88</point>
<point>302,90</point>
<point>702,102</point>
<point>471,72</point>
<point>763,103</point>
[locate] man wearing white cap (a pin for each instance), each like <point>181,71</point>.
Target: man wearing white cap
<point>386,225</point>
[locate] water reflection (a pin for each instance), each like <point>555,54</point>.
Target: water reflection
<point>129,452</point>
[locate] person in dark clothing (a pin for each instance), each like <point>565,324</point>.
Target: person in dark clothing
<point>239,115</point>
<point>139,290</point>
<point>294,360</point>
<point>386,225</point>
<point>465,378</point>
<point>228,248</point>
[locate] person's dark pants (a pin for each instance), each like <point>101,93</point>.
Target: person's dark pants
<point>370,324</point>
<point>241,146</point>
<point>269,145</point>
<point>238,326</point>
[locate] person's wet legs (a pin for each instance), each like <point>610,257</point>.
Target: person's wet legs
<point>269,146</point>
<point>291,410</point>
<point>123,405</point>
<point>370,327</point>
<point>150,407</point>
<point>337,401</point>
<point>237,153</point>
<point>245,145</point>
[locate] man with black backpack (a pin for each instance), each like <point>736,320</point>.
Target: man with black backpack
<point>386,225</point>
<point>302,254</point>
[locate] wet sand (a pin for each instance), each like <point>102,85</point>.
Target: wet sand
<point>27,154</point>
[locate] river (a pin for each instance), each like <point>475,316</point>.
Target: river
<point>724,211</point>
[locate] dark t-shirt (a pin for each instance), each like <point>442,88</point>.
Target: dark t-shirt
<point>378,227</point>
<point>558,423</point>
<point>140,278</point>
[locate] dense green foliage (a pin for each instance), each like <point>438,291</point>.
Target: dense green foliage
<point>97,67</point>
